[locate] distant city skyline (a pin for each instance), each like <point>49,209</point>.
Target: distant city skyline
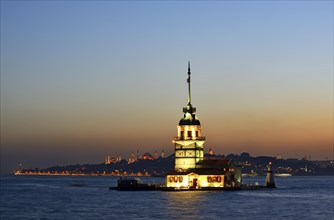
<point>81,80</point>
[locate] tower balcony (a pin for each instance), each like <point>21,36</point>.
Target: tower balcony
<point>189,109</point>
<point>189,138</point>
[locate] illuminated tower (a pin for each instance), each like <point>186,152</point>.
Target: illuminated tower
<point>132,158</point>
<point>270,183</point>
<point>189,142</point>
<point>210,152</point>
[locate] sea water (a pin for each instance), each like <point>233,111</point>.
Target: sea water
<point>87,197</point>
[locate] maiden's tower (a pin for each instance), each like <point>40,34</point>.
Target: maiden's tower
<point>192,169</point>
<point>189,143</point>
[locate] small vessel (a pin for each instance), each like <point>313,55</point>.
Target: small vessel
<point>249,174</point>
<point>283,174</point>
<point>132,184</point>
<point>77,184</point>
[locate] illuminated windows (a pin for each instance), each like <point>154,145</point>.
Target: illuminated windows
<point>209,179</point>
<point>214,179</point>
<point>175,179</point>
<point>180,153</point>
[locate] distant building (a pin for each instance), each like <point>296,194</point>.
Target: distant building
<point>278,157</point>
<point>147,156</point>
<point>107,160</point>
<point>132,157</point>
<point>191,169</point>
<point>304,158</point>
<point>244,154</point>
<point>210,152</point>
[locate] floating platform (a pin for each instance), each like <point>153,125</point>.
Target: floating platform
<point>159,188</point>
<point>135,184</point>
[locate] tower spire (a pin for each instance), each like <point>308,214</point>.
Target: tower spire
<point>188,81</point>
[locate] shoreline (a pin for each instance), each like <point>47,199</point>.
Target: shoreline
<point>79,174</point>
<point>130,175</point>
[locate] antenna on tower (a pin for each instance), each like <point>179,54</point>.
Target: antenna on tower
<point>188,81</point>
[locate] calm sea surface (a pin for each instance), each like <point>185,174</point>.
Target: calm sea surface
<point>55,197</point>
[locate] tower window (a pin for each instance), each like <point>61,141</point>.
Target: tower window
<point>182,135</point>
<point>189,134</point>
<point>196,133</point>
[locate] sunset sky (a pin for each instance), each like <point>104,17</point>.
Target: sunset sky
<point>85,79</point>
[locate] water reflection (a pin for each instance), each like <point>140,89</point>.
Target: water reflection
<point>186,202</point>
<point>54,198</point>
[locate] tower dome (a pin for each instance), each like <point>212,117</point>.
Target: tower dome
<point>189,117</point>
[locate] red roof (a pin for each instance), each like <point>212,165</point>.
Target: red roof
<point>214,162</point>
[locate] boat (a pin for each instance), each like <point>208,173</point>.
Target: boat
<point>249,174</point>
<point>77,184</point>
<point>282,174</point>
<point>133,184</point>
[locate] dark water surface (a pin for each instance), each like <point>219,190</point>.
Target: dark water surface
<point>59,197</point>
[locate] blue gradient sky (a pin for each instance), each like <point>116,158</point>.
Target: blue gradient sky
<point>80,80</point>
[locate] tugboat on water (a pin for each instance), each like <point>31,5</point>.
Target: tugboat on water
<point>128,184</point>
